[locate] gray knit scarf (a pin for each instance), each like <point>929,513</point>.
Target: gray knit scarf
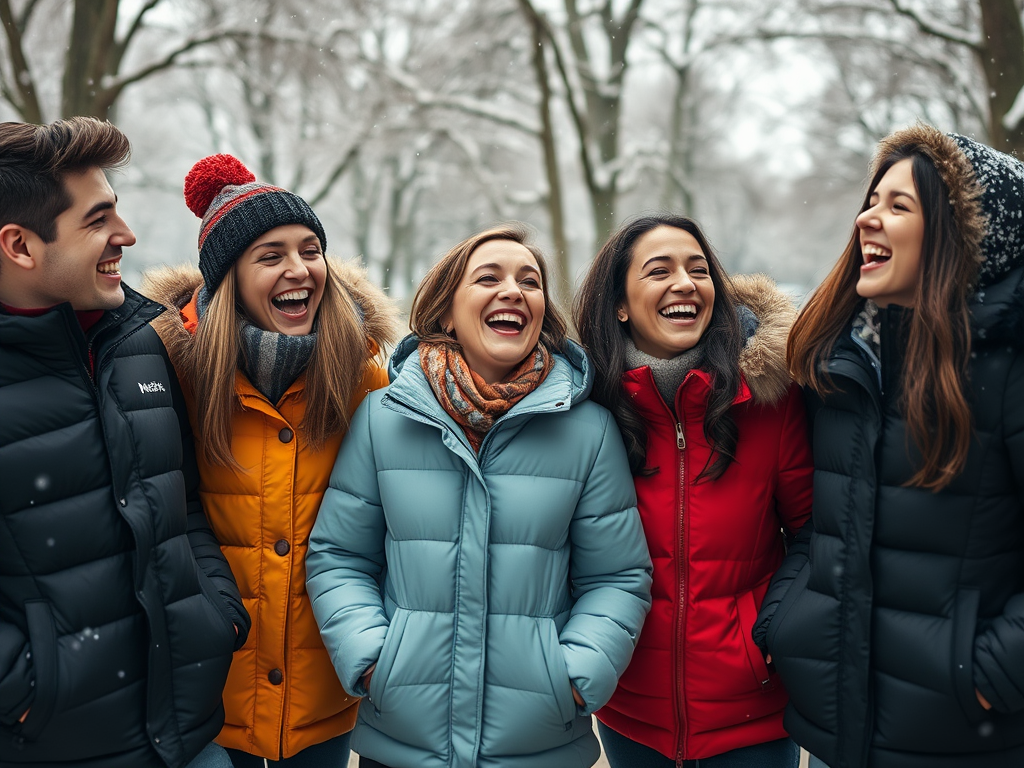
<point>668,374</point>
<point>271,361</point>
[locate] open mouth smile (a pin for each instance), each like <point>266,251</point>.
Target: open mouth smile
<point>874,256</point>
<point>292,303</point>
<point>506,322</point>
<point>685,312</point>
<point>111,267</point>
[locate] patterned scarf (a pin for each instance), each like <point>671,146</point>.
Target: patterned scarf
<point>867,327</point>
<point>271,361</point>
<point>474,404</point>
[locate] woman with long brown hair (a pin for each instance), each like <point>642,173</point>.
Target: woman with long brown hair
<point>897,620</point>
<point>692,363</point>
<point>275,346</point>
<point>478,567</point>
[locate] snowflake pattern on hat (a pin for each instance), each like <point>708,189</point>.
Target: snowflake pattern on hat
<point>1002,178</point>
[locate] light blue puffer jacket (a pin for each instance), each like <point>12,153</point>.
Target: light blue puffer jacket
<point>481,585</point>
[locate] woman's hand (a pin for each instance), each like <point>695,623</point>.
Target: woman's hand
<point>367,675</point>
<point>576,697</point>
<point>982,700</point>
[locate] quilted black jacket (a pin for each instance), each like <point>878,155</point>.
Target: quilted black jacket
<point>896,602</point>
<point>117,609</point>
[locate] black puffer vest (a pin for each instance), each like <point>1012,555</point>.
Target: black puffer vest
<point>117,609</point>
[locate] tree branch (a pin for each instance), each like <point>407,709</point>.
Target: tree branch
<point>27,103</point>
<point>464,104</point>
<point>339,170</point>
<point>26,14</point>
<point>117,84</point>
<point>120,46</point>
<point>936,28</point>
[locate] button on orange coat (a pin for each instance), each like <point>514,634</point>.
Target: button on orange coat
<point>282,693</point>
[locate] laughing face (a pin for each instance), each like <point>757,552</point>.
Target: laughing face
<point>669,294</point>
<point>280,279</point>
<point>891,233</point>
<point>82,265</point>
<point>498,309</point>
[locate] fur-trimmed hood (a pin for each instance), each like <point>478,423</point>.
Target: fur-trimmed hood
<point>986,190</point>
<point>763,359</point>
<point>955,170</point>
<point>174,287</point>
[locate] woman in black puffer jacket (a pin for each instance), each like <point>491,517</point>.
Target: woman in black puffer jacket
<point>897,619</point>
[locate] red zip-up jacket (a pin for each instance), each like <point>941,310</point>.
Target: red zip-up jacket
<point>697,685</point>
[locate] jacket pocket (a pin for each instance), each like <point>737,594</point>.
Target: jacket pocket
<point>747,611</point>
<point>796,587</point>
<point>386,660</point>
<point>558,673</point>
<point>42,635</point>
<point>965,622</point>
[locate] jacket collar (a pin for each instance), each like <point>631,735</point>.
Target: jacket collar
<point>50,333</point>
<point>693,392</point>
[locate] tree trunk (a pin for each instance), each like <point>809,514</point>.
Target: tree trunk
<point>1002,59</point>
<point>87,61</point>
<point>554,178</point>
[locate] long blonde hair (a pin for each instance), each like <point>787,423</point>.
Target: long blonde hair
<point>335,368</point>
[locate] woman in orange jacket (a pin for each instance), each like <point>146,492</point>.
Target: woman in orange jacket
<point>275,347</point>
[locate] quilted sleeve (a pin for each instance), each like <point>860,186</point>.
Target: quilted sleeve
<point>611,575</point>
<point>794,496</point>
<point>795,483</point>
<point>998,650</point>
<point>346,559</point>
<point>796,557</point>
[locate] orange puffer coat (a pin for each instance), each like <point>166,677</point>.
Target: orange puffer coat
<point>282,694</point>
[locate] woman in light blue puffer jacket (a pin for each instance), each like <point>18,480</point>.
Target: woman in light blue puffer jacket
<point>478,569</point>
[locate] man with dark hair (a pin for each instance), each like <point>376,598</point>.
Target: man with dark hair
<point>118,612</point>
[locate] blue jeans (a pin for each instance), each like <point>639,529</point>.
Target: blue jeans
<point>332,753</point>
<point>625,753</point>
<point>212,756</point>
<point>816,763</point>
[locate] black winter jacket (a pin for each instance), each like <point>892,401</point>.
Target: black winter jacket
<point>896,603</point>
<point>117,609</point>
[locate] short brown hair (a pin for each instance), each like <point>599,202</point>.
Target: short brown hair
<point>436,292</point>
<point>35,158</point>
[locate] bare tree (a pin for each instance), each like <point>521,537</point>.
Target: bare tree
<point>590,45</point>
<point>98,37</point>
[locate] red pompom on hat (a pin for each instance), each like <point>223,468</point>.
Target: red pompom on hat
<point>209,176</point>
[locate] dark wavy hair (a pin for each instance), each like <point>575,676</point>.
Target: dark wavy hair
<point>605,336</point>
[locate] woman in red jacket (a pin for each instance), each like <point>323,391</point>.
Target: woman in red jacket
<point>693,366</point>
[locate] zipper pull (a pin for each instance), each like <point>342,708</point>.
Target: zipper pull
<point>680,438</point>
